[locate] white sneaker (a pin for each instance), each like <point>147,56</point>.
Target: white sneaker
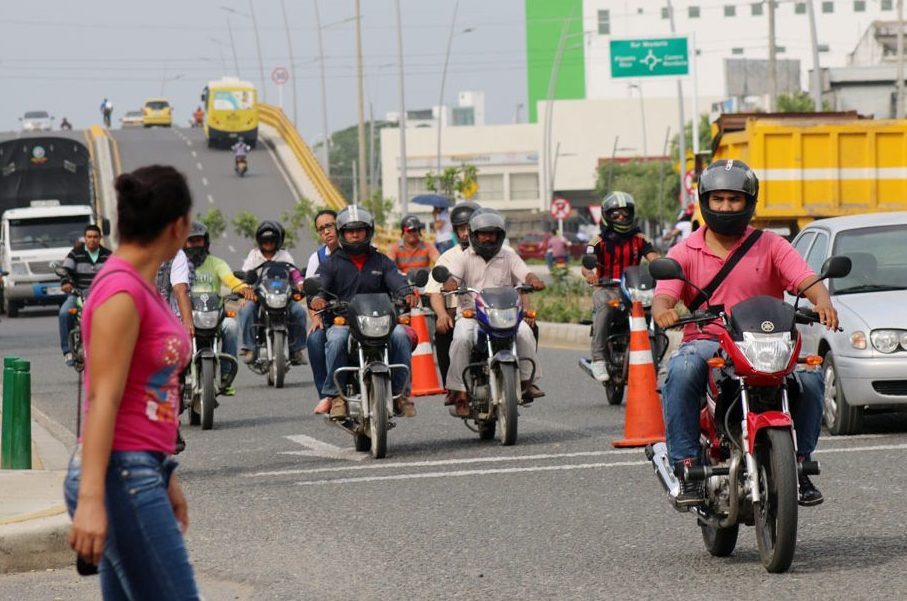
<point>600,371</point>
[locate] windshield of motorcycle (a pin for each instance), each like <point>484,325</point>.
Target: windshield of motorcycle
<point>637,284</point>
<point>499,309</point>
<point>276,279</point>
<point>371,317</point>
<point>761,315</point>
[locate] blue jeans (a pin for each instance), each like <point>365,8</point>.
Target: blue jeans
<point>145,557</point>
<point>229,335</point>
<point>248,317</point>
<point>443,245</point>
<point>317,360</point>
<point>337,356</point>
<point>67,322</point>
<point>684,390</point>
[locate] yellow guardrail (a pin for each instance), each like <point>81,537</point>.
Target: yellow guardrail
<point>275,117</point>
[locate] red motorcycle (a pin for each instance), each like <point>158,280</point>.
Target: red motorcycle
<point>749,467</point>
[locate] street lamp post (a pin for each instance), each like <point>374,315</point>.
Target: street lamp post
<point>232,46</point>
<point>401,123</point>
<point>165,80</point>
<point>642,113</point>
<point>286,26</point>
<point>261,65</point>
<point>326,145</point>
<point>450,37</point>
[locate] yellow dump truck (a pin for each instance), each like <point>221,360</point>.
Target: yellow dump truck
<point>814,165</point>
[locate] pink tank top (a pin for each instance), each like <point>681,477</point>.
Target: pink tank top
<point>148,416</point>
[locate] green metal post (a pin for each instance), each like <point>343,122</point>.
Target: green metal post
<point>6,437</point>
<point>21,443</point>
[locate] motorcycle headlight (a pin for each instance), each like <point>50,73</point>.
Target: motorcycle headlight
<point>887,341</point>
<point>768,353</point>
<point>205,320</point>
<point>643,296</point>
<point>374,327</point>
<point>502,319</point>
<point>276,300</point>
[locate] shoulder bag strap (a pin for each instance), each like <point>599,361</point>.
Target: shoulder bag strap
<point>725,270</point>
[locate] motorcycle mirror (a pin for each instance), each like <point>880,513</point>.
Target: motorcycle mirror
<point>59,270</point>
<point>590,261</point>
<point>418,277</point>
<point>311,285</point>
<point>836,267</point>
<point>666,269</point>
<point>440,273</point>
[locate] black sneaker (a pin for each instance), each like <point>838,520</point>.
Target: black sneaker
<point>809,494</point>
<point>690,491</point>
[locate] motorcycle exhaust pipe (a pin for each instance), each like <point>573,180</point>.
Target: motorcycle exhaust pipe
<point>658,455</point>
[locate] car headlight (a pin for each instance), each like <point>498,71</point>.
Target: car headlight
<point>276,300</point>
<point>888,341</point>
<point>768,353</point>
<point>502,319</point>
<point>643,296</point>
<point>374,326</point>
<point>205,319</point>
<point>19,268</point>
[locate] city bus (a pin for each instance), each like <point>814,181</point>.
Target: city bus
<point>231,112</point>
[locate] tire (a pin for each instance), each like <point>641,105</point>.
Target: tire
<point>840,417</point>
<point>11,308</point>
<point>207,397</point>
<point>614,392</point>
<point>211,143</point>
<point>278,369</point>
<point>380,385</point>
<point>720,542</point>
<point>362,442</point>
<point>507,410</point>
<point>486,429</point>
<point>776,512</point>
<point>195,418</point>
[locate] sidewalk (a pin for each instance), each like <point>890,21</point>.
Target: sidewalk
<point>34,524</point>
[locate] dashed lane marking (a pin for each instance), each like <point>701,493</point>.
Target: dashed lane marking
<point>230,247</point>
<point>210,199</point>
<point>194,154</point>
<point>198,166</point>
<point>204,181</point>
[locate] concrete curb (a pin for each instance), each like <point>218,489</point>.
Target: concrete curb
<point>36,544</point>
<point>564,335</point>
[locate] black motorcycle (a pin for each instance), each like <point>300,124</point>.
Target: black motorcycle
<point>75,334</point>
<point>206,378</point>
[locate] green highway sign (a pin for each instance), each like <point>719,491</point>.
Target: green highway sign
<point>650,57</point>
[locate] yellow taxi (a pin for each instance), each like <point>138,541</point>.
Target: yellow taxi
<point>157,111</point>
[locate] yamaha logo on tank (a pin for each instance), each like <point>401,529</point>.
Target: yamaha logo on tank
<point>768,326</point>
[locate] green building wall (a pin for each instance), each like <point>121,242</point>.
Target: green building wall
<point>544,22</point>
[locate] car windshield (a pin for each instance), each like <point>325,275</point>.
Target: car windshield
<point>50,232</point>
<point>878,258</point>
<point>157,105</point>
<point>36,115</point>
<point>134,114</point>
<point>533,238</point>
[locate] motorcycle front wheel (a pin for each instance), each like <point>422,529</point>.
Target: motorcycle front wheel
<point>379,395</point>
<point>776,512</point>
<point>278,369</point>
<point>507,409</point>
<point>207,397</point>
<point>719,542</point>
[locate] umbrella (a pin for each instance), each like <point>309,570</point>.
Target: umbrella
<point>432,200</point>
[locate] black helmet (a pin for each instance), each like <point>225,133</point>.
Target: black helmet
<point>734,176</point>
<point>487,220</point>
<point>269,230</point>
<point>351,218</point>
<point>411,222</point>
<point>197,255</point>
<point>619,200</point>
<point>461,213</point>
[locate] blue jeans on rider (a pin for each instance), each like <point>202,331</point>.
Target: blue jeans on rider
<point>336,354</point>
<point>145,556</point>
<point>317,359</point>
<point>248,316</point>
<point>229,336</point>
<point>684,391</point>
<point>67,322</point>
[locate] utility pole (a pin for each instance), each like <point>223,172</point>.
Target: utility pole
<point>899,109</point>
<point>682,136</point>
<point>286,25</point>
<point>261,64</point>
<point>772,61</point>
<point>326,144</point>
<point>814,42</point>
<point>233,47</point>
<point>360,107</point>
<point>453,24</point>
<point>401,123</point>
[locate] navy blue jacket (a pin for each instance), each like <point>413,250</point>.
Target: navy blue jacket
<point>341,277</point>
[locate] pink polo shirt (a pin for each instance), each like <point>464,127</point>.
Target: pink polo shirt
<point>769,268</point>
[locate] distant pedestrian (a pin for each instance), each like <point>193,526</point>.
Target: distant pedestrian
<point>128,509</point>
<point>444,236</point>
<point>556,249</point>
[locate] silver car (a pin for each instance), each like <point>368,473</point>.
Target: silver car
<point>36,121</point>
<point>866,364</point>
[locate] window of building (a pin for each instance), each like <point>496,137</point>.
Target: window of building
<point>463,115</point>
<point>859,6</point>
<point>887,5</point>
<point>693,12</point>
<point>822,47</point>
<point>756,9</point>
<point>800,8</point>
<point>780,49</point>
<point>828,7</point>
<point>604,22</point>
<point>736,50</point>
<point>664,12</point>
<point>730,10</point>
<point>491,187</point>
<point>416,185</point>
<point>524,186</point>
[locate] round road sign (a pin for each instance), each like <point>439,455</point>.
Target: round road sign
<point>560,208</point>
<point>280,76</point>
<point>688,179</point>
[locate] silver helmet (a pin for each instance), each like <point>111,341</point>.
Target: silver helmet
<point>487,220</point>
<point>355,217</point>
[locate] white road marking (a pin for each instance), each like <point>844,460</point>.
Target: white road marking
<point>194,154</point>
<point>204,181</point>
<point>199,166</point>
<point>188,142</point>
<point>317,448</point>
<point>233,250</point>
<point>210,199</point>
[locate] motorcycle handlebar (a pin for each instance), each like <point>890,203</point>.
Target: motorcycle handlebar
<point>809,317</point>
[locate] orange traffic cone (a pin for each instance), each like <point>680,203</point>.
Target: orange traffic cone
<point>644,424</point>
<point>425,376</point>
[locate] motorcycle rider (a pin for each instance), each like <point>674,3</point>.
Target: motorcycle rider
<point>81,266</point>
<point>487,263</point>
<point>65,124</point>
<point>198,117</point>
<point>619,245</point>
<point>358,268</point>
<point>446,308</point>
<point>269,237</point>
<point>326,226</point>
<point>240,151</point>
<point>210,273</point>
<point>412,252</point>
<point>728,190</point>
<point>106,111</point>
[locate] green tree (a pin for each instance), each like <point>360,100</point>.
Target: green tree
<point>345,150</point>
<point>705,137</point>
<point>799,102</point>
<point>379,206</point>
<point>214,221</point>
<point>244,224</point>
<point>653,184</point>
<point>301,216</point>
<point>454,182</point>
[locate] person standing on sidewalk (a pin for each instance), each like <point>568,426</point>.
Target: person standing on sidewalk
<point>128,509</point>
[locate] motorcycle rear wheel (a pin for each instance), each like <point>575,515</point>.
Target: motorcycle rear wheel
<point>508,414</point>
<point>614,392</point>
<point>776,513</point>
<point>278,370</point>
<point>380,385</point>
<point>207,396</point>
<point>486,429</point>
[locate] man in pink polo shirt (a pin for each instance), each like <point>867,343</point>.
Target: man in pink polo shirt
<point>728,190</point>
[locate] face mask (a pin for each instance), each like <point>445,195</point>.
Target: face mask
<point>197,255</point>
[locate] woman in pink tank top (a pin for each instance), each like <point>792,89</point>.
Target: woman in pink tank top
<point>128,509</point>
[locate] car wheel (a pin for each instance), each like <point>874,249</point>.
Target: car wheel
<point>840,417</point>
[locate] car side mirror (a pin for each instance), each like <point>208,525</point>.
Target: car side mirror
<point>836,267</point>
<point>590,261</point>
<point>666,269</point>
<point>418,277</point>
<point>440,273</point>
<point>311,285</point>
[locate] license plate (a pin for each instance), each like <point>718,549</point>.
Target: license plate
<point>53,290</point>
